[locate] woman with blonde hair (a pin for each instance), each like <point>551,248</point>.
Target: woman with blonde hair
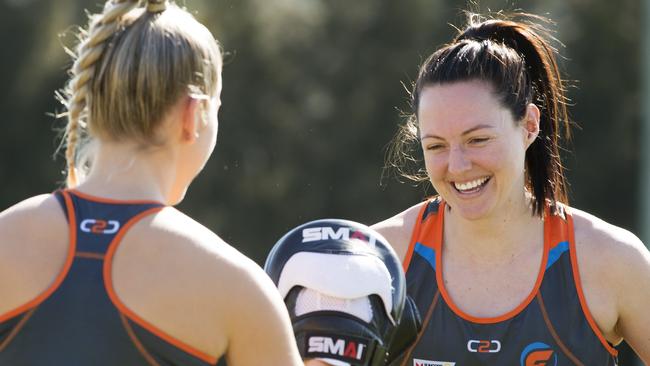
<point>105,271</point>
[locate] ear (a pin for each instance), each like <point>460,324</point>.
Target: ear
<point>190,120</point>
<point>531,123</point>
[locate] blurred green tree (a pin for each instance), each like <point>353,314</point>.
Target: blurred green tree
<point>312,95</point>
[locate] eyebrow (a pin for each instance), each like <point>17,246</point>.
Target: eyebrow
<point>466,132</point>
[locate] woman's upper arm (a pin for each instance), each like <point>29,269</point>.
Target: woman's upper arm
<point>615,272</point>
<point>259,329</point>
<point>633,269</point>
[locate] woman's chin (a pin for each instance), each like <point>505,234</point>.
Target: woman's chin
<point>177,197</point>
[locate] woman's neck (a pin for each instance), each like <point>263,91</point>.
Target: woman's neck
<point>128,171</point>
<point>507,231</point>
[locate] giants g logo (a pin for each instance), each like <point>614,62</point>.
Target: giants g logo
<point>538,354</point>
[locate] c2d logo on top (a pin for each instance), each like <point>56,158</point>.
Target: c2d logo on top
<point>97,226</point>
<point>538,354</point>
<point>491,346</point>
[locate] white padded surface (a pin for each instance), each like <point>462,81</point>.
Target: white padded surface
<point>333,362</point>
<point>311,300</point>
<point>338,276</point>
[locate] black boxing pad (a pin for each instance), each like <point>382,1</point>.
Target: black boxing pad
<point>344,288</point>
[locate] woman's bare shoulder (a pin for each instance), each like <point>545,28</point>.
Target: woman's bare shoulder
<point>399,228</point>
<point>614,270</point>
<point>169,262</point>
<point>34,241</point>
<point>599,239</point>
<point>608,254</point>
<point>37,224</point>
<point>184,241</point>
<point>42,211</point>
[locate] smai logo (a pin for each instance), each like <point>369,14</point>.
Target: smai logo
<point>483,346</point>
<point>341,233</point>
<point>538,354</point>
<point>347,349</point>
<point>96,226</point>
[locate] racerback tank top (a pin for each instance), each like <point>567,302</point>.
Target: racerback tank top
<point>551,327</point>
<point>79,320</point>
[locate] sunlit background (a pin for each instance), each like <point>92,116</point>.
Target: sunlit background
<point>313,92</point>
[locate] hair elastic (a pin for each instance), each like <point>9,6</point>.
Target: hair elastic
<point>156,6</point>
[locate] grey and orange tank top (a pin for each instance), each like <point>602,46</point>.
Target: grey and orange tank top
<point>551,327</point>
<point>79,320</point>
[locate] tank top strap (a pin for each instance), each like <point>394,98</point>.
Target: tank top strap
<point>426,237</point>
<point>557,232</point>
<point>98,221</point>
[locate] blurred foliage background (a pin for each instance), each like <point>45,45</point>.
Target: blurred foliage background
<point>313,92</point>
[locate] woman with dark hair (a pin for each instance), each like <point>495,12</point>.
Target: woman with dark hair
<point>502,270</point>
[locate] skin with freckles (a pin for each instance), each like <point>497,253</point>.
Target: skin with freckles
<point>474,155</point>
<point>469,139</point>
<point>474,152</point>
<point>489,112</point>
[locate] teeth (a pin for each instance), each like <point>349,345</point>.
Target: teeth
<point>470,185</point>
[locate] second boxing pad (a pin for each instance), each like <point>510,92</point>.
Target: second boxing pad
<point>344,288</point>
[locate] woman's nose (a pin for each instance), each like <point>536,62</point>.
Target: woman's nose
<point>458,162</point>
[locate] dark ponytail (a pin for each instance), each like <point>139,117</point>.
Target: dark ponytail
<point>518,62</point>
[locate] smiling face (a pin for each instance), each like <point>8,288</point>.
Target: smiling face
<point>474,150</point>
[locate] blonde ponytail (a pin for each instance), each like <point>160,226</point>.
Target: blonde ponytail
<point>136,59</point>
<point>102,27</point>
